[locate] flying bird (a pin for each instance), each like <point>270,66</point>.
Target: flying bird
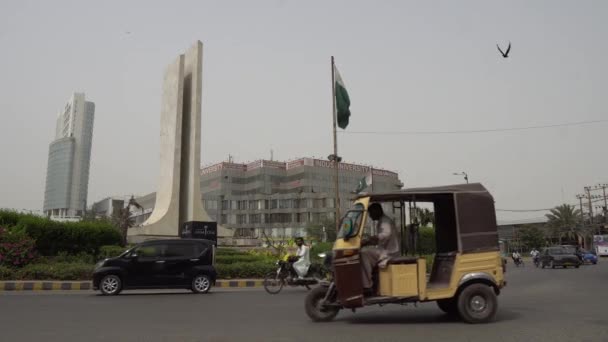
<point>504,54</point>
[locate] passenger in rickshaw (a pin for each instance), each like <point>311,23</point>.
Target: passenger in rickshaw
<point>386,245</point>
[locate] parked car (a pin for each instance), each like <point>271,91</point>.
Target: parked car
<point>588,257</point>
<point>558,256</point>
<point>159,264</point>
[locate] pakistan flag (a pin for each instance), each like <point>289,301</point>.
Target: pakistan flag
<point>342,100</point>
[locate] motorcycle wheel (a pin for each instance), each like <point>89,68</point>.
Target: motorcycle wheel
<point>273,283</point>
<point>314,308</point>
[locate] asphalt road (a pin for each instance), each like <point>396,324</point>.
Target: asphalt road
<point>537,305</point>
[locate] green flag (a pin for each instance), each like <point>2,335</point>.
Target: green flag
<point>342,100</point>
<point>365,182</point>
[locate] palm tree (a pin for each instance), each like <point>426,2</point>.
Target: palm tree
<point>565,220</point>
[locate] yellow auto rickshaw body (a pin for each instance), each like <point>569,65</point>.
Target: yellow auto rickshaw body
<point>466,240</point>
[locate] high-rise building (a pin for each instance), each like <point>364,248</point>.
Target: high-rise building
<point>67,173</point>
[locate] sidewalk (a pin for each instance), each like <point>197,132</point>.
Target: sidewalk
<point>48,285</point>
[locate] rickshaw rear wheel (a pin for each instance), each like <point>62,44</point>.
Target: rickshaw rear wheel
<point>449,306</point>
<point>477,303</point>
<point>314,308</point>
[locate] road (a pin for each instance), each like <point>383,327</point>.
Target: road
<point>537,305</point>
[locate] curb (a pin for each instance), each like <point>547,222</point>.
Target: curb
<point>36,285</point>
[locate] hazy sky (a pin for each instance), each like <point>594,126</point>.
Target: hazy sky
<point>408,66</point>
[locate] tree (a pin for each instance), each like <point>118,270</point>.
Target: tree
<point>532,236</point>
<point>314,231</point>
<point>424,216</point>
<point>279,246</point>
<point>565,222</point>
<point>122,218</point>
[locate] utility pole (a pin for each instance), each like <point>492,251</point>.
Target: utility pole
<point>588,190</point>
<point>580,198</point>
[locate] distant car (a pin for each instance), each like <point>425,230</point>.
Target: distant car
<point>558,256</point>
<point>159,264</point>
<point>588,257</point>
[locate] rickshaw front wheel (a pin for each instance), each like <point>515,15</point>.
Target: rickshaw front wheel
<point>477,303</point>
<point>315,308</point>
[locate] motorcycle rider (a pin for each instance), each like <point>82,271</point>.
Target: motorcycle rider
<point>516,258</point>
<point>534,253</point>
<point>302,263</point>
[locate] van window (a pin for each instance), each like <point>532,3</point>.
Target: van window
<point>181,250</point>
<point>150,251</point>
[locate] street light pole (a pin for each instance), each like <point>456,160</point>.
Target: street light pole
<point>466,176</point>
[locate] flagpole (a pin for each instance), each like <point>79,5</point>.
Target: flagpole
<point>336,159</point>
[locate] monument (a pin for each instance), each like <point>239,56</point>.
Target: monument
<point>178,211</point>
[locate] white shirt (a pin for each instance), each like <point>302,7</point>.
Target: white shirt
<point>301,266</point>
<point>388,237</point>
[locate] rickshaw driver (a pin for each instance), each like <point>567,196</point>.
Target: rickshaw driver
<point>387,245</point>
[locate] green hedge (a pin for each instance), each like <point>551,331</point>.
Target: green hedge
<point>426,244</point>
<point>244,270</point>
<point>223,251</point>
<point>69,237</point>
<point>234,259</point>
<point>57,271</point>
<point>110,251</point>
<point>6,273</point>
<point>9,218</point>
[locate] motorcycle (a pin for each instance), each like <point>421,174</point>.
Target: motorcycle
<point>518,262</point>
<point>286,275</point>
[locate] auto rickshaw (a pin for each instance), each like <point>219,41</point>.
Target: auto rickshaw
<point>467,273</point>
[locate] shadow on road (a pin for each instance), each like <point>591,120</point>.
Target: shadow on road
<point>422,318</point>
<point>136,294</point>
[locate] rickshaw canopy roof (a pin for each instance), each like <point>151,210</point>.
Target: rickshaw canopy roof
<point>465,210</point>
<point>427,193</point>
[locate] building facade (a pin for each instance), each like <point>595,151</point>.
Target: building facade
<point>107,207</point>
<point>67,175</point>
<point>279,198</point>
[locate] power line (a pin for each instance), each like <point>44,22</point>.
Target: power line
<point>472,131</point>
<point>523,210</point>
<point>536,210</point>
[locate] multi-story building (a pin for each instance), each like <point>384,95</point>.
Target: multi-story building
<point>67,174</point>
<point>107,207</point>
<point>279,198</point>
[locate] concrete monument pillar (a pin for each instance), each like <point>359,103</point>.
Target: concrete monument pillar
<point>179,210</point>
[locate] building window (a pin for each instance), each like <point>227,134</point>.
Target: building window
<point>255,218</point>
<point>241,219</point>
<point>302,217</point>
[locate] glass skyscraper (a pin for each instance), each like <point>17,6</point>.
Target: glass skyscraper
<point>67,174</point>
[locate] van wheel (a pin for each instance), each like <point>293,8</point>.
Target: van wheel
<point>477,304</point>
<point>201,284</point>
<point>110,285</point>
<point>449,306</point>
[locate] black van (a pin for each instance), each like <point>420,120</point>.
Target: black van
<point>159,264</point>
